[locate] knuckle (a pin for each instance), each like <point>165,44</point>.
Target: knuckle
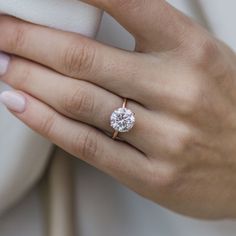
<point>124,3</point>
<point>79,103</point>
<point>89,147</point>
<point>180,145</point>
<point>168,178</point>
<point>208,50</point>
<point>191,102</point>
<point>165,176</point>
<point>180,141</point>
<point>25,76</point>
<point>78,59</point>
<point>14,32</point>
<point>19,38</point>
<point>205,52</point>
<point>86,145</point>
<point>190,94</point>
<point>46,126</point>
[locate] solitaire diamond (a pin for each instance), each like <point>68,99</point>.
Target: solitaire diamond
<point>122,120</point>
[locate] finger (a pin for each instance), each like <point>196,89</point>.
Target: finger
<point>151,21</point>
<point>74,55</point>
<point>75,99</point>
<point>90,145</point>
<point>167,130</point>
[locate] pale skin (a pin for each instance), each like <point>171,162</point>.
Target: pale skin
<point>180,82</point>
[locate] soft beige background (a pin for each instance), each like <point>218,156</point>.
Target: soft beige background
<point>104,207</point>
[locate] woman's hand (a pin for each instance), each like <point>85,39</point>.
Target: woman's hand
<point>180,82</point>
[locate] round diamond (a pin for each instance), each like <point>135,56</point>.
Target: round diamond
<point>122,120</point>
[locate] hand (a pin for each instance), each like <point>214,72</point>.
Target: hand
<point>180,82</point>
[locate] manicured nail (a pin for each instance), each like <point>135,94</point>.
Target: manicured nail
<point>13,101</point>
<point>4,62</point>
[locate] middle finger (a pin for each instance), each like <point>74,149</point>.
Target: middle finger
<point>75,56</point>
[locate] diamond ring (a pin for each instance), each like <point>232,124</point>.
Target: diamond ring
<point>122,120</point>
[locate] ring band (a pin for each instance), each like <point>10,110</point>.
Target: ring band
<point>122,119</point>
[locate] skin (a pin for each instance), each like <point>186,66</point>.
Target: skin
<point>180,82</point>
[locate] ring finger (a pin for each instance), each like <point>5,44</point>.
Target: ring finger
<point>76,99</point>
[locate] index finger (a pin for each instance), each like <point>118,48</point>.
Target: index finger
<point>152,22</point>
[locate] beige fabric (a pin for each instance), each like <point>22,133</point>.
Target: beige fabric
<point>59,194</point>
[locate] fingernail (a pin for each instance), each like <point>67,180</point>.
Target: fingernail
<point>4,62</point>
<point>13,101</point>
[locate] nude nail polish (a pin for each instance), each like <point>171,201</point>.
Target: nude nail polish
<point>4,62</point>
<point>14,101</point>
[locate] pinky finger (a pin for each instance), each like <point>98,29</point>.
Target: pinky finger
<point>117,159</point>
